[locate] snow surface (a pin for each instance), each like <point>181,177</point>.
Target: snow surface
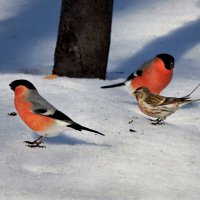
<point>153,163</point>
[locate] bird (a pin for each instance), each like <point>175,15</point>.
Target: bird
<point>154,74</point>
<point>160,107</point>
<point>39,115</point>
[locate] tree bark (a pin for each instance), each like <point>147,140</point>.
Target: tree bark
<point>83,38</point>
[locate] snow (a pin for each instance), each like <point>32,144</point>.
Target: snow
<point>153,163</point>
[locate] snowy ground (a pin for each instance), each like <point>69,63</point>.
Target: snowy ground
<point>153,163</point>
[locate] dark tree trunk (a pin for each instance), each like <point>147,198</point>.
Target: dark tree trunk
<point>83,38</point>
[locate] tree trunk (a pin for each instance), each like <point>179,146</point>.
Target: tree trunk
<point>83,38</point>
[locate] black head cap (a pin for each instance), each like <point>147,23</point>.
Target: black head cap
<point>22,82</point>
<point>167,59</point>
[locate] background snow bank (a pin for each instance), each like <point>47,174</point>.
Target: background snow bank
<point>155,162</point>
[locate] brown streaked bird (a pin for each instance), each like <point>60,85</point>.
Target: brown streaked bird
<point>40,115</point>
<point>160,107</point>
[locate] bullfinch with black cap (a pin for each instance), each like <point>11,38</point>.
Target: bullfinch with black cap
<point>40,115</point>
<point>154,74</point>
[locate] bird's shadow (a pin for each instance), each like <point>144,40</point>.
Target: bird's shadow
<point>191,105</point>
<point>128,102</point>
<point>69,140</point>
<point>168,43</point>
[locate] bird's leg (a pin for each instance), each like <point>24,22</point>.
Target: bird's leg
<point>158,122</point>
<point>36,143</point>
<point>130,122</point>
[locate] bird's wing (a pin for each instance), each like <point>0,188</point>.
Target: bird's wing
<point>41,106</point>
<point>135,74</point>
<point>154,100</point>
<point>58,115</point>
<point>140,70</point>
<point>174,100</point>
<point>145,65</point>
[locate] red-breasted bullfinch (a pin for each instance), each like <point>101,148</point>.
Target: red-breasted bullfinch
<point>160,107</point>
<point>154,74</point>
<point>39,115</point>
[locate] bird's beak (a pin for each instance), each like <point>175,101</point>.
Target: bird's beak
<point>134,93</point>
<point>171,65</point>
<point>11,86</point>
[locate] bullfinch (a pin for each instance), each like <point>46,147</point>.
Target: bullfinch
<point>154,74</point>
<point>40,115</point>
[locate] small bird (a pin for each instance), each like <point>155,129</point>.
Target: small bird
<point>39,115</point>
<point>154,74</point>
<point>158,106</point>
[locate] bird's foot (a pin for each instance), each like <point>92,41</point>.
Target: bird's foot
<point>34,144</point>
<point>157,122</point>
<point>130,121</point>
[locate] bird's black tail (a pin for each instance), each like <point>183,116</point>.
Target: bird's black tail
<point>115,85</point>
<point>80,128</point>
